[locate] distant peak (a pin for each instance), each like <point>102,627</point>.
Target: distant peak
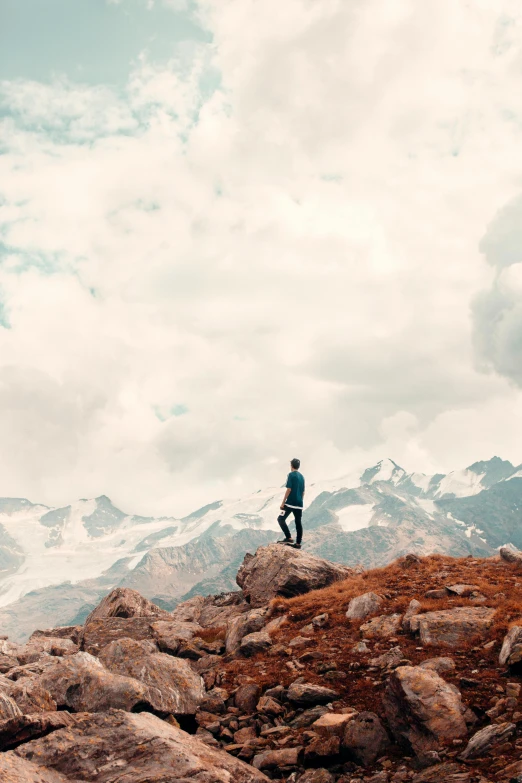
<point>384,470</point>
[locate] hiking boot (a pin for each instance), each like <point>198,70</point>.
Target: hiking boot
<point>286,541</point>
<point>296,546</point>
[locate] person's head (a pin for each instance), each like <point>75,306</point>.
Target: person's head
<point>295,463</point>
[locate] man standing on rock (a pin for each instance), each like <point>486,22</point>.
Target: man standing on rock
<point>293,504</point>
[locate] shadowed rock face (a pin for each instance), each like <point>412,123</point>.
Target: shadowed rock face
<point>99,748</point>
<point>173,686</point>
<point>280,570</point>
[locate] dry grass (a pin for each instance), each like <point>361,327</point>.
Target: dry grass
<point>213,634</point>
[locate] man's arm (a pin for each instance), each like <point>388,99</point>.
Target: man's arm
<point>287,493</point>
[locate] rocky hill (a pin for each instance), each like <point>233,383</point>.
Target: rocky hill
<point>56,564</point>
<point>311,672</point>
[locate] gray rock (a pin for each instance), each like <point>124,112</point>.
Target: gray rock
<point>308,717</point>
<point>254,643</point>
<point>242,625</point>
<point>303,693</point>
<point>485,739</point>
<point>363,605</point>
<point>382,627</point>
<point>124,602</point>
<point>106,747</point>
<point>365,738</point>
<point>82,684</point>
<point>453,627</point>
<point>511,651</point>
<point>271,759</point>
<point>413,609</point>
<point>173,686</point>
<point>422,708</point>
<point>281,570</point>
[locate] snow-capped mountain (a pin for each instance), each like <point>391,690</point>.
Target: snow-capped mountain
<point>55,563</point>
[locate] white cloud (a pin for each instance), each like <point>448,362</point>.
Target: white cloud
<point>291,256</point>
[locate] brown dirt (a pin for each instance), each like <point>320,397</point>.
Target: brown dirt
<point>398,583</point>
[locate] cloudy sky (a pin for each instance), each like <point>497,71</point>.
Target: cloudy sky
<point>235,231</point>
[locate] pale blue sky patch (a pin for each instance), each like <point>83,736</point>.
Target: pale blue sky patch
<point>164,413</point>
<point>89,41</point>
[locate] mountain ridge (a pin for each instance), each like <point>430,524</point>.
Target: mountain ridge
<point>55,563</point>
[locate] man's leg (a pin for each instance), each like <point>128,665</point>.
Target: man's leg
<point>298,513</point>
<point>282,523</point>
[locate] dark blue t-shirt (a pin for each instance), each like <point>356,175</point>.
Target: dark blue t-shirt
<point>296,483</point>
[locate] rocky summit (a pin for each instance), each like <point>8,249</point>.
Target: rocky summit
<point>56,564</point>
<point>311,672</point>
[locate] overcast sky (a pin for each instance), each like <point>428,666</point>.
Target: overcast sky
<point>237,231</point>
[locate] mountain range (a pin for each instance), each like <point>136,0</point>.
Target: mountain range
<point>56,563</point>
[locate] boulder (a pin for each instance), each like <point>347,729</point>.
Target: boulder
<point>254,643</point>
<point>242,625</point>
<point>247,696</point>
<point>306,694</point>
<point>16,770</point>
<point>106,747</point>
<point>269,706</point>
<point>511,651</point>
<point>413,609</point>
<point>308,717</point>
<point>99,633</point>
<point>271,759</point>
<point>381,627</point>
<point>453,627</point>
<point>510,554</point>
<point>488,737</point>
<point>173,686</point>
<point>280,570</point>
<point>81,683</point>
<point>124,602</point>
<point>365,738</point>
<point>363,605</point>
<point>22,728</point>
<point>423,709</point>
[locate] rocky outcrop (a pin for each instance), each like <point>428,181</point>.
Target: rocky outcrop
<point>279,570</point>
<point>30,696</point>
<point>8,707</point>
<point>82,684</point>
<point>99,633</point>
<point>423,709</point>
<point>172,685</point>
<point>137,748</point>
<point>123,602</point>
<point>453,627</point>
